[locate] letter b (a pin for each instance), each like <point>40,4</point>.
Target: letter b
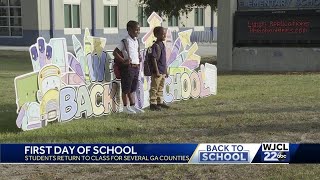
<point>68,104</point>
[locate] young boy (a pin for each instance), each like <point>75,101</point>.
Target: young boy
<point>159,70</point>
<point>130,65</point>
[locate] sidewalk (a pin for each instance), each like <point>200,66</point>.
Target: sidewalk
<point>205,49</point>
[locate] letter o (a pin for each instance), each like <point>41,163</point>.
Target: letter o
<point>126,150</point>
<point>195,85</point>
<point>186,86</point>
<point>235,156</point>
<point>81,150</point>
<point>227,157</point>
<point>116,150</point>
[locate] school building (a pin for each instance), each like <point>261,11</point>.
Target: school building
<point>22,21</point>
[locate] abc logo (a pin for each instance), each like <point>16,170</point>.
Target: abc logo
<point>281,156</point>
<point>275,156</point>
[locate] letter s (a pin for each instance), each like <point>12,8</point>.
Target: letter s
<point>204,156</point>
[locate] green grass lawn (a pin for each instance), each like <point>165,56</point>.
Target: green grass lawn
<point>249,108</point>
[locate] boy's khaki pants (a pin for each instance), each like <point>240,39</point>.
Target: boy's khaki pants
<point>156,90</point>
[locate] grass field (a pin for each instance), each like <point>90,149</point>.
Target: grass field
<point>249,108</point>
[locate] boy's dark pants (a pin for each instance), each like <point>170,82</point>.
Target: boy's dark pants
<point>156,90</point>
<point>129,78</point>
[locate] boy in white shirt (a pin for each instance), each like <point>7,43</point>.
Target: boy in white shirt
<point>130,67</point>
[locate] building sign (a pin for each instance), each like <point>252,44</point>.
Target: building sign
<point>248,5</point>
<point>282,27</point>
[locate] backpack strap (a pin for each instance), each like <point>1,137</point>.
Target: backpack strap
<point>140,58</point>
<point>158,51</point>
<point>126,45</point>
<point>138,45</point>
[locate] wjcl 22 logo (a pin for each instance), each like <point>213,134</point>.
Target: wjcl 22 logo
<point>275,152</point>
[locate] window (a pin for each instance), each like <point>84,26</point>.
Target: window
<point>142,17</point>
<point>173,21</point>
<point>110,16</point>
<point>10,18</point>
<point>72,16</point>
<point>199,16</point>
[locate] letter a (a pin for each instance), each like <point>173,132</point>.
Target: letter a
<point>84,103</point>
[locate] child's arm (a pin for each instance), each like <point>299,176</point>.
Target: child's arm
<point>116,54</point>
<point>156,58</point>
<point>167,75</point>
<point>155,65</point>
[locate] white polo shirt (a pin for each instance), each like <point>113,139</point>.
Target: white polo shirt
<point>133,46</point>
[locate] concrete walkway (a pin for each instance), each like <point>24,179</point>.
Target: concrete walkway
<point>205,49</point>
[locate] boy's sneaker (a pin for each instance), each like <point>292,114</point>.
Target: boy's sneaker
<point>128,110</point>
<point>164,106</point>
<point>137,110</point>
<point>154,107</point>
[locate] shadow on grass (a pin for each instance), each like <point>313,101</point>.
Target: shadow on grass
<point>237,112</point>
<point>148,133</point>
<point>145,135</point>
<point>210,60</point>
<point>74,137</point>
<point>7,124</point>
<point>248,73</point>
<point>8,118</point>
<point>267,128</point>
<point>8,77</point>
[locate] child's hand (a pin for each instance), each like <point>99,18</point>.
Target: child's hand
<point>127,61</point>
<point>140,58</point>
<point>167,74</point>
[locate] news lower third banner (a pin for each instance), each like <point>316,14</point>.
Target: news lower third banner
<point>160,153</point>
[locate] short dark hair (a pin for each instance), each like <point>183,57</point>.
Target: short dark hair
<point>157,30</point>
<point>132,24</point>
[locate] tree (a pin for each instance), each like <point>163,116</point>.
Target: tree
<point>175,7</point>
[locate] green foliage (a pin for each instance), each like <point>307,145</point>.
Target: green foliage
<point>175,7</point>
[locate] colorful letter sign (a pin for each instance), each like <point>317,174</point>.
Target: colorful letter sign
<point>64,86</point>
